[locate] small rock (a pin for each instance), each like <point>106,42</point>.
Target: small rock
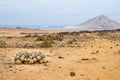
<point>103,68</point>
<point>82,74</point>
<point>85,59</point>
<point>46,69</point>
<point>117,45</point>
<point>97,51</point>
<point>72,73</point>
<point>111,47</point>
<point>91,46</point>
<point>94,58</point>
<point>20,70</point>
<point>10,66</point>
<point>118,52</point>
<point>60,67</point>
<point>93,53</point>
<point>60,57</point>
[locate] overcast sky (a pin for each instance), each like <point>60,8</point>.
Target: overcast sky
<point>56,12</point>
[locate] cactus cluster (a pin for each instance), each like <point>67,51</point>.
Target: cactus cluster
<point>30,58</point>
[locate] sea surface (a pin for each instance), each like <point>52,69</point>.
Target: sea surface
<point>42,27</point>
<point>49,27</point>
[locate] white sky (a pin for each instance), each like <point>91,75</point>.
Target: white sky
<point>54,12</point>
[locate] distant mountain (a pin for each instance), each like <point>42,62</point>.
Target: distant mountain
<point>99,22</point>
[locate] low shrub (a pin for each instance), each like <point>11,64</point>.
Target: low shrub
<point>46,44</point>
<point>9,37</point>
<point>2,44</point>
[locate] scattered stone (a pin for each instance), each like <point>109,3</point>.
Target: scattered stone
<point>20,70</point>
<point>46,69</point>
<point>111,47</point>
<point>95,52</point>
<point>60,67</point>
<point>72,73</point>
<point>11,70</point>
<point>60,57</point>
<point>94,58</point>
<point>118,52</point>
<point>85,59</point>
<point>82,74</point>
<point>91,46</point>
<point>117,45</point>
<point>10,66</point>
<point>1,77</point>
<point>98,79</point>
<point>103,68</point>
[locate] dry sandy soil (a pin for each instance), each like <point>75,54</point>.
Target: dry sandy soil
<point>18,32</point>
<point>103,62</point>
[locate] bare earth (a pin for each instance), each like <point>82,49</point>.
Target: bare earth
<point>103,60</point>
<point>18,32</point>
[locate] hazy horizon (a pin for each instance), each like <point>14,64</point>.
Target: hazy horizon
<point>52,12</point>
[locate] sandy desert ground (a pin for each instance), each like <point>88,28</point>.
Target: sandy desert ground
<point>22,32</point>
<point>89,55</point>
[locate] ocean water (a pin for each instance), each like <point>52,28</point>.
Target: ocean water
<point>50,27</point>
<point>41,27</point>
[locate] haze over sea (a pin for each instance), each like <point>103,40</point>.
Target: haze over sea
<point>42,27</point>
<point>47,27</point>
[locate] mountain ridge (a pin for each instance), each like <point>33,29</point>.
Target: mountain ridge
<point>102,22</point>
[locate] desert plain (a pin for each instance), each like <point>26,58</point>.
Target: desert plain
<point>89,55</point>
